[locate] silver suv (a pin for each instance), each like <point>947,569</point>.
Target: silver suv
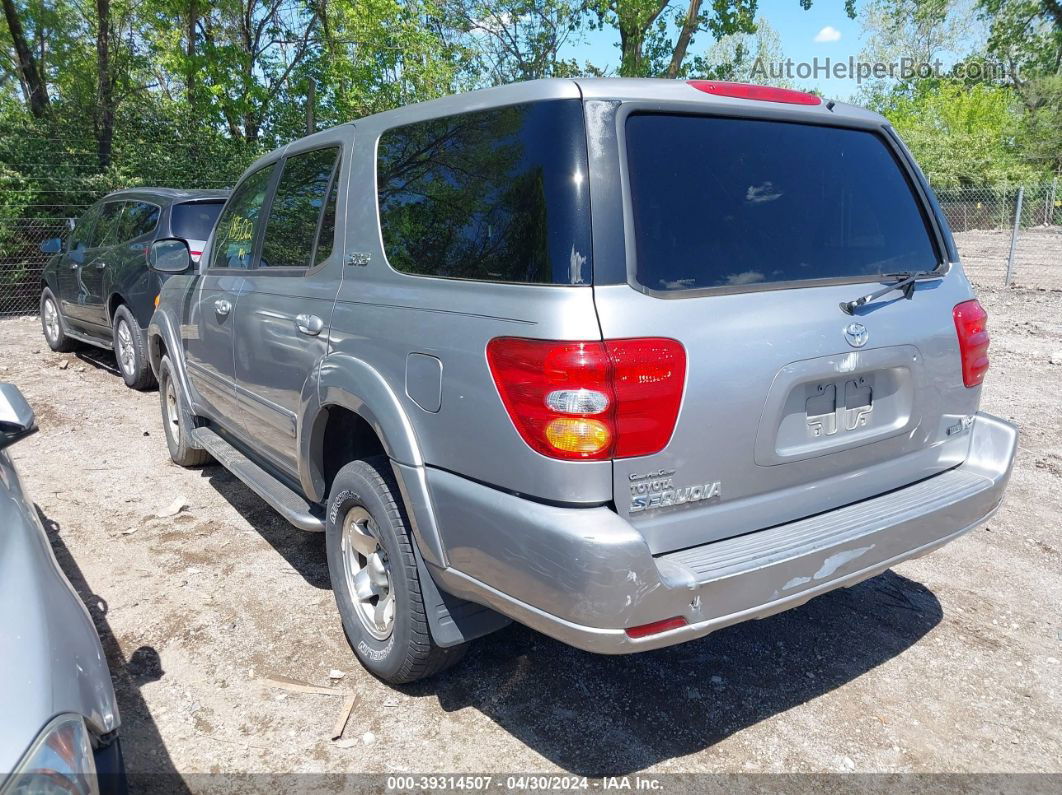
<point>626,361</point>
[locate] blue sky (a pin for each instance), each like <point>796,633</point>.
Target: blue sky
<point>796,28</point>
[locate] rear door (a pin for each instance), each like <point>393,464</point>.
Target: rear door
<point>283,315</point>
<point>742,238</point>
<point>127,272</point>
<point>208,329</point>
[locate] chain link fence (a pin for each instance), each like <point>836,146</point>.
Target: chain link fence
<point>50,174</point>
<point>1008,236</point>
<point>21,258</point>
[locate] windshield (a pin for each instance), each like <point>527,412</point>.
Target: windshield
<point>722,202</point>
<point>194,221</point>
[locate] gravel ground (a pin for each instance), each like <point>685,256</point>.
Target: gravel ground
<point>948,663</point>
<point>1037,257</point>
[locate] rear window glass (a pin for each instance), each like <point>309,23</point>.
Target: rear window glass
<point>495,195</point>
<point>196,220</point>
<point>730,202</point>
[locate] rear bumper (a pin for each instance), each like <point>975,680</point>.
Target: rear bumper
<point>581,575</point>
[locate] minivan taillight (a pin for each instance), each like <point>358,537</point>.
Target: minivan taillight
<point>971,324</point>
<point>590,400</point>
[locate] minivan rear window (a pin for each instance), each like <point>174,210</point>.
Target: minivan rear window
<point>194,220</point>
<point>724,202</point>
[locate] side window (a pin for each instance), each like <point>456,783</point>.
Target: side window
<point>139,219</point>
<point>496,195</point>
<point>296,210</point>
<point>326,238</point>
<point>81,237</point>
<point>234,236</point>
<point>106,230</point>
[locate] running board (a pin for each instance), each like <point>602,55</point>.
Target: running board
<point>286,502</point>
<point>99,342</point>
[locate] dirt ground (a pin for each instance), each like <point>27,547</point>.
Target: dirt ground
<point>1037,257</point>
<point>947,663</point>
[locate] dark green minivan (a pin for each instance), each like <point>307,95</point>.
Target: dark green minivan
<point>98,289</point>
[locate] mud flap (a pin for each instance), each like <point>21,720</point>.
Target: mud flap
<point>453,620</point>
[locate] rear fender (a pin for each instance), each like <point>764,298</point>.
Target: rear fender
<point>353,384</point>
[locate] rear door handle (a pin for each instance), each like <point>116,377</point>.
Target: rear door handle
<point>223,306</point>
<point>309,324</point>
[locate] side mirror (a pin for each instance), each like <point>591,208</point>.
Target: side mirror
<point>16,416</point>
<point>169,256</point>
<point>52,245</point>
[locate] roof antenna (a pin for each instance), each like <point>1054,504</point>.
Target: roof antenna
<point>830,104</point>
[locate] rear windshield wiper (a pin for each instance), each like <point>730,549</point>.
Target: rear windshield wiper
<point>905,283</point>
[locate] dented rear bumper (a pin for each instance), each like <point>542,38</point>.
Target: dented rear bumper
<point>584,575</point>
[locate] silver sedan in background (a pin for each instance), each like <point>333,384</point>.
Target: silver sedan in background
<point>58,714</point>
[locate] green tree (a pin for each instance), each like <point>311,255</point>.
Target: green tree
<point>655,35</point>
<point>963,135</point>
<point>29,68</point>
<point>744,57</point>
<point>518,39</point>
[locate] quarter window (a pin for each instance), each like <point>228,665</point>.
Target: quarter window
<point>296,210</point>
<point>495,195</point>
<point>233,244</point>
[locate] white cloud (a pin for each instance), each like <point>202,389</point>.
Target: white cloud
<point>828,34</point>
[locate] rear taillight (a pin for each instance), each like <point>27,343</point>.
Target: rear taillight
<point>590,400</point>
<point>971,324</point>
<point>722,88</point>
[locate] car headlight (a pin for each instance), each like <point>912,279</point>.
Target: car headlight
<point>59,761</point>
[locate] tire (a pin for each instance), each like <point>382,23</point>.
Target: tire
<point>53,325</point>
<point>173,422</point>
<point>130,350</point>
<point>364,510</point>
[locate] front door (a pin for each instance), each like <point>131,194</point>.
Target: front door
<point>208,329</point>
<point>74,258</point>
<point>282,317</point>
<point>92,300</point>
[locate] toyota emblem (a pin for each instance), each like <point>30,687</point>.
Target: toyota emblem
<point>856,334</point>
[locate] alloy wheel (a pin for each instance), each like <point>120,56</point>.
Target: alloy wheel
<point>51,320</point>
<point>368,574</point>
<point>173,417</point>
<point>126,351</point>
